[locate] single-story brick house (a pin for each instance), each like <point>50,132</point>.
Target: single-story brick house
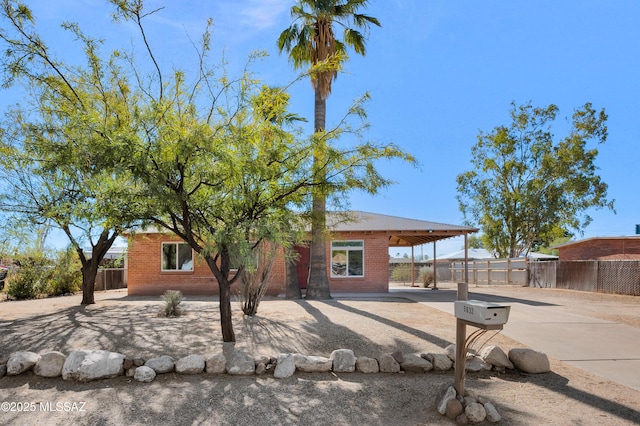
<point>601,248</point>
<point>357,256</point>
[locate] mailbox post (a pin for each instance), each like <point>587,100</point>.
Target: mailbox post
<point>476,313</point>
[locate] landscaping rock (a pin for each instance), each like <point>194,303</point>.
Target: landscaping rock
<point>3,369</point>
<point>261,368</point>
<point>131,372</point>
<point>398,356</point>
<point>50,364</point>
<point>476,364</point>
<point>388,364</point>
<point>86,365</point>
<point>262,359</point>
<point>216,364</point>
<point>468,400</point>
<point>21,361</point>
<point>127,363</point>
<point>453,409</point>
<point>529,361</point>
<point>344,361</point>
<point>312,364</point>
<point>475,412</point>
<point>492,414</point>
<point>451,352</point>
<point>367,365</point>
<point>239,363</point>
<point>440,362</point>
<point>415,364</point>
<point>190,364</point>
<point>462,420</point>
<point>285,367</point>
<point>138,362</point>
<point>495,356</point>
<point>162,364</point>
<point>448,395</point>
<point>144,374</point>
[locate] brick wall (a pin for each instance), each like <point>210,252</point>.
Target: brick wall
<point>599,248</point>
<point>145,273</point>
<point>146,278</point>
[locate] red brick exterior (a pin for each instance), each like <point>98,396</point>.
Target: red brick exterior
<point>601,249</point>
<point>146,278</point>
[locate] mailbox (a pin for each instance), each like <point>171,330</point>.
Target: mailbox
<point>479,312</point>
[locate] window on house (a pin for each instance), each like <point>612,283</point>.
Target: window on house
<point>347,258</point>
<point>177,257</point>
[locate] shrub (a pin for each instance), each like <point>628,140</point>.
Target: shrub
<point>401,273</point>
<point>31,279</point>
<point>426,276</point>
<point>253,283</point>
<point>66,276</point>
<point>172,300</point>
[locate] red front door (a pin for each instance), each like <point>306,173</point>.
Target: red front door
<point>304,256</point>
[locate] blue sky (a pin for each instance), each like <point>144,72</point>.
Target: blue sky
<point>438,72</point>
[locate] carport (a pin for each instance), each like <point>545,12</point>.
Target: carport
<point>404,232</point>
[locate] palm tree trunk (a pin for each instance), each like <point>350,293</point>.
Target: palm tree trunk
<point>318,285</point>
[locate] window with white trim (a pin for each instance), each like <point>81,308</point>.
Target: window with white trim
<point>347,258</point>
<point>177,257</point>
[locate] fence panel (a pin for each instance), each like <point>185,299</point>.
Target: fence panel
<point>542,274</point>
<point>577,275</point>
<point>110,279</point>
<point>604,276</point>
<point>492,271</point>
<point>619,277</point>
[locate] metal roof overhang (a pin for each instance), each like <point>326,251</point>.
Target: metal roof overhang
<point>416,238</point>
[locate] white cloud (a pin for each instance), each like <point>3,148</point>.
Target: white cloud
<point>264,14</point>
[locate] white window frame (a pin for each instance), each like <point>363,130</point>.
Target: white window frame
<point>348,246</point>
<point>177,254</point>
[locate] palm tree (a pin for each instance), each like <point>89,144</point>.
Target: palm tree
<point>310,40</point>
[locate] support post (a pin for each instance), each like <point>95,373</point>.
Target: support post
<point>461,347</point>
<point>435,269</point>
<point>413,269</point>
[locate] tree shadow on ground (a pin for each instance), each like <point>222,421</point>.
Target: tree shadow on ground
<point>560,385</point>
<point>442,343</point>
<point>428,295</point>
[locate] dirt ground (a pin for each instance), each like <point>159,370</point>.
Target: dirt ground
<point>368,326</point>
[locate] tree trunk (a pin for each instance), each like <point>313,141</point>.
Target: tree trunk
<point>89,273</point>
<point>225,313</point>
<point>292,283</point>
<point>318,285</point>
<point>222,276</point>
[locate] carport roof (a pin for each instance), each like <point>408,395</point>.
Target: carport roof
<point>402,232</point>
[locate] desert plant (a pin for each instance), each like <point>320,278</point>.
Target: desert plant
<point>32,278</point>
<point>66,276</point>
<point>401,273</point>
<point>172,300</point>
<point>253,282</point>
<point>425,276</point>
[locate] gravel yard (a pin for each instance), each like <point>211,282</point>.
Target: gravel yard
<point>368,325</point>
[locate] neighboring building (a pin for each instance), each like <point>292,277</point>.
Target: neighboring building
<point>357,256</point>
<point>601,248</point>
<point>472,254</point>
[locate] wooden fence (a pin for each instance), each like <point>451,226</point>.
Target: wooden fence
<point>492,271</point>
<point>110,279</point>
<point>603,276</point>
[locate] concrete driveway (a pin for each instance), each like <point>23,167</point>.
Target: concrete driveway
<point>562,327</point>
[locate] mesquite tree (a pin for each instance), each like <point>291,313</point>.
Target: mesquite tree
<point>528,188</point>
